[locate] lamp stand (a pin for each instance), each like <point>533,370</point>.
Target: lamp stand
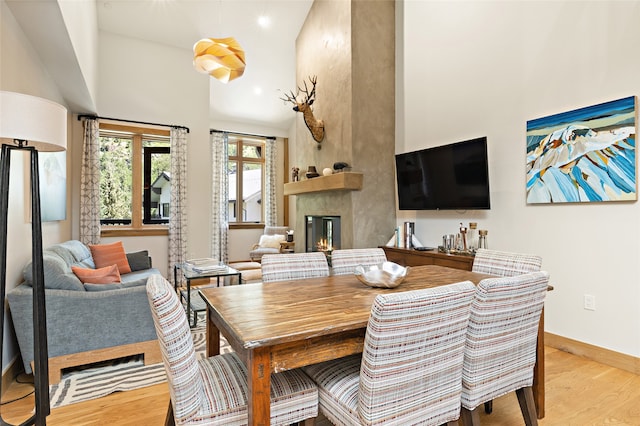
<point>41,366</point>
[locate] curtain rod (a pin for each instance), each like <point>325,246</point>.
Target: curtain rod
<point>240,134</point>
<point>132,121</point>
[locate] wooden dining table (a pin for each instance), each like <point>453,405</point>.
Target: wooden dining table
<point>283,325</point>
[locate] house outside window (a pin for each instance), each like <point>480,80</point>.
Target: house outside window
<point>246,177</point>
<point>135,183</point>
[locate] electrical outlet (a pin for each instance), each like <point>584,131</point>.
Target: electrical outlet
<point>589,302</point>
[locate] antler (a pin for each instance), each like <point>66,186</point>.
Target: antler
<point>291,97</point>
<point>309,96</point>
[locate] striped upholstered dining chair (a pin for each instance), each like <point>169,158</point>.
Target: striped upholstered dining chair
<point>344,262</point>
<point>214,390</point>
<point>500,351</point>
<point>293,266</point>
<point>505,264</point>
<point>411,366</point>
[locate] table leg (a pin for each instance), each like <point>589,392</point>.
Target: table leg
<point>193,324</point>
<point>538,370</point>
<point>175,278</point>
<point>213,338</point>
<point>259,381</point>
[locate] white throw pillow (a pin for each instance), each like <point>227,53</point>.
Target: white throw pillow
<point>271,241</point>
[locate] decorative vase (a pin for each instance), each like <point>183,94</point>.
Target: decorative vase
<point>311,172</point>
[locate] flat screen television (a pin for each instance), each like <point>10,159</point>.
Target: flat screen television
<point>447,177</point>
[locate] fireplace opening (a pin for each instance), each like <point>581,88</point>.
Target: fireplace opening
<point>322,233</point>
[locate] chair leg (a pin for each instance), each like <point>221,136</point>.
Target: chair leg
<point>170,420</point>
<point>488,407</point>
<point>527,406</point>
<point>470,417</point>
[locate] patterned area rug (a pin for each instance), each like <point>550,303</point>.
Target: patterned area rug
<point>101,379</point>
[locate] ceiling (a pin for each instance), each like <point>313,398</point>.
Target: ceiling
<point>270,50</point>
<point>252,99</point>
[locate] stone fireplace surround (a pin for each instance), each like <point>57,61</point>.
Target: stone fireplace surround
<point>350,46</point>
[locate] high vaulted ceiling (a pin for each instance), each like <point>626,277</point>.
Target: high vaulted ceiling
<point>270,50</point>
<point>253,98</point>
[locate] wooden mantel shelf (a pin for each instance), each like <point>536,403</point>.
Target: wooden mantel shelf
<point>334,182</point>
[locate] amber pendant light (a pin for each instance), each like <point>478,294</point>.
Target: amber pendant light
<point>221,58</point>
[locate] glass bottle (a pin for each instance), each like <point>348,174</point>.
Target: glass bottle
<point>482,239</point>
<point>472,236</point>
<point>462,242</point>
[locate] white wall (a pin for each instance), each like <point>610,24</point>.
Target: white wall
<point>467,69</point>
<point>155,83</point>
<point>81,22</point>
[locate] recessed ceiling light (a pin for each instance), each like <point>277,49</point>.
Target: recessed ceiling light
<point>264,21</point>
<point>257,90</point>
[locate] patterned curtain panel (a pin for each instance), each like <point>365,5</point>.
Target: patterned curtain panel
<point>90,184</point>
<point>219,196</point>
<point>270,205</point>
<point>178,206</point>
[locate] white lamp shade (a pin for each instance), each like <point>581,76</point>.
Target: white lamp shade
<point>40,122</point>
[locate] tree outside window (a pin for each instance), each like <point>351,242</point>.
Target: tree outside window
<point>246,177</point>
<point>135,181</point>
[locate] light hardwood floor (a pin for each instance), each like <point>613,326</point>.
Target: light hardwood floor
<point>579,393</point>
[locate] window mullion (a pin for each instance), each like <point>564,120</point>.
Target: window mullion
<point>136,180</point>
<point>239,198</point>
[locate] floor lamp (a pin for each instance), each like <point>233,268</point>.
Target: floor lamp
<point>29,124</point>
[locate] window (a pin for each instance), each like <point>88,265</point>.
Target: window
<point>246,177</point>
<point>135,180</point>
<point>157,183</point>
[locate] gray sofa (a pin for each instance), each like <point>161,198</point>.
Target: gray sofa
<point>86,323</point>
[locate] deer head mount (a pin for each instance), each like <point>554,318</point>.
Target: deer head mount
<point>315,126</point>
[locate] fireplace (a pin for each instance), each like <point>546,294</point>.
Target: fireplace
<point>322,233</point>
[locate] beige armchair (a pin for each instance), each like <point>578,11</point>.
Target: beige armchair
<point>269,242</point>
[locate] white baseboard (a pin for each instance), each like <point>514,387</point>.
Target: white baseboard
<point>594,353</point>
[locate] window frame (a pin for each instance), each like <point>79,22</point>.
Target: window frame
<point>240,140</point>
<point>137,227</point>
<point>147,153</point>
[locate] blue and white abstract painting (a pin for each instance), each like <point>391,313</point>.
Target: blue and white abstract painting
<point>584,155</point>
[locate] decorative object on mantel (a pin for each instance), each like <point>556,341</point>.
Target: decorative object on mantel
<point>327,171</point>
<point>295,174</point>
<point>311,172</point>
<point>221,58</point>
<point>383,275</point>
<point>341,166</point>
<point>315,126</point>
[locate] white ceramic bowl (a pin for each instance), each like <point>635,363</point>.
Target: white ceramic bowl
<point>383,275</point>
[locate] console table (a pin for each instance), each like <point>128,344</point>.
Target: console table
<point>411,257</point>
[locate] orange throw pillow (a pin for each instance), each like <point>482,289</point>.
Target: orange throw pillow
<point>109,254</point>
<point>106,275</point>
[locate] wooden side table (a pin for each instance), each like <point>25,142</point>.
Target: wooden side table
<point>287,246</point>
